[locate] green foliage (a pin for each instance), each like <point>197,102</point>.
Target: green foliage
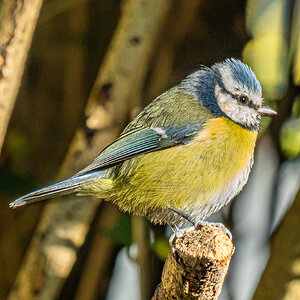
<point>121,233</point>
<point>17,144</point>
<point>290,138</point>
<point>161,247</point>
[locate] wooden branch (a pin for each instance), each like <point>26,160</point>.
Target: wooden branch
<point>17,23</point>
<point>98,264</point>
<point>141,238</point>
<point>196,265</point>
<point>182,20</point>
<point>65,224</point>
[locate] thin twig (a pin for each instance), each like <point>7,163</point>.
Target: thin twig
<point>141,237</point>
<point>100,256</point>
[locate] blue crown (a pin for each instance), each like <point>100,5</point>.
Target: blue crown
<point>203,82</point>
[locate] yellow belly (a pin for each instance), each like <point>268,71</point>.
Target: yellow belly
<point>199,177</point>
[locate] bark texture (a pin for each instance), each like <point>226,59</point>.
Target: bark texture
<point>196,266</point>
<point>17,23</point>
<point>65,224</point>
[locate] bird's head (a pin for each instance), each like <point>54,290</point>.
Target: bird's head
<point>229,89</point>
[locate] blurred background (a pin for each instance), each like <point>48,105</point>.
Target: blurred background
<point>118,256</point>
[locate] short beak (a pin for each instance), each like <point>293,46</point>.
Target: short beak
<point>266,111</point>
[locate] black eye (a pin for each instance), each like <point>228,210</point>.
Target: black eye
<point>243,99</point>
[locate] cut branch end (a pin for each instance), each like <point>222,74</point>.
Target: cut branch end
<point>196,266</point>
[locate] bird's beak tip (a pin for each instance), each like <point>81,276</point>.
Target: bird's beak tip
<point>267,111</point>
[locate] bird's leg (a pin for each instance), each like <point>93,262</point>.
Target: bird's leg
<point>183,214</point>
<point>177,232</point>
<point>197,224</point>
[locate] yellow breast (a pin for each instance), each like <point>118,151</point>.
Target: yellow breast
<point>208,171</point>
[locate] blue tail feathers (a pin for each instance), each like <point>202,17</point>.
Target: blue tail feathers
<point>64,187</point>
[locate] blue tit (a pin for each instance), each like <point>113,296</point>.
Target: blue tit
<point>191,149</point>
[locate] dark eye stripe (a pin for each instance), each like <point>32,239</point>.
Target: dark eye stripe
<point>252,105</point>
<point>249,104</point>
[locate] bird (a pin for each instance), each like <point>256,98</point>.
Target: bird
<point>187,154</point>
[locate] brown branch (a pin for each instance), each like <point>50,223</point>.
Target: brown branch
<point>64,225</point>
<point>100,256</point>
<point>17,23</point>
<point>196,265</point>
<point>141,238</point>
<point>182,20</point>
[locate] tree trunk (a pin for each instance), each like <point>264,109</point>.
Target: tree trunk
<point>17,23</point>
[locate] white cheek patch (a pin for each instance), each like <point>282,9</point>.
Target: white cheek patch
<point>238,113</point>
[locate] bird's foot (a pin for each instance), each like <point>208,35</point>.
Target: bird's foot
<point>177,232</point>
<point>196,224</point>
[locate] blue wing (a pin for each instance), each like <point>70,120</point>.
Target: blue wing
<point>139,141</point>
<point>130,144</point>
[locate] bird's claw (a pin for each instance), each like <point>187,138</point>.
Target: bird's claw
<point>196,224</point>
<point>177,232</point>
